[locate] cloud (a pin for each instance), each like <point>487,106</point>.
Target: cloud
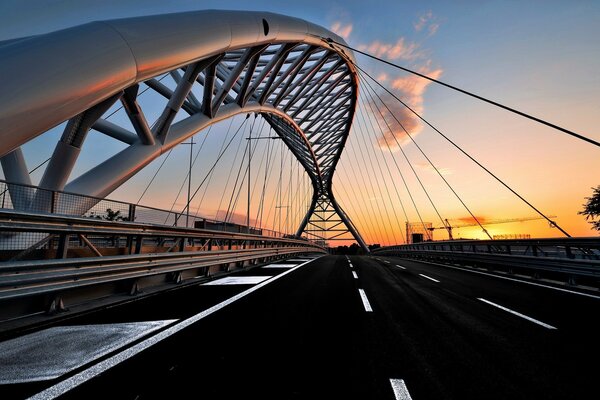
<point>442,170</point>
<point>410,89</point>
<point>427,22</point>
<point>393,51</point>
<point>470,220</point>
<point>382,77</point>
<point>433,28</point>
<point>344,30</point>
<point>422,21</point>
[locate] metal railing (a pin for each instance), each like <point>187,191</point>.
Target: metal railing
<point>575,257</point>
<point>33,199</point>
<point>53,253</point>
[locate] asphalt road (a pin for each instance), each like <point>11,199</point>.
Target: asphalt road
<point>372,328</point>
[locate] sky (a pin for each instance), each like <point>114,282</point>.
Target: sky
<point>541,57</point>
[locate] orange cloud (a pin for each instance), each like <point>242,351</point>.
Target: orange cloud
<point>393,51</point>
<point>470,220</point>
<point>433,28</point>
<point>422,21</point>
<point>428,21</point>
<point>382,77</point>
<point>410,89</point>
<point>442,170</point>
<point>344,30</point>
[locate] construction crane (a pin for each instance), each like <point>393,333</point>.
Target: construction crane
<point>449,227</point>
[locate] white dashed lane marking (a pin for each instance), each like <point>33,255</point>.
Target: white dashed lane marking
<point>518,314</point>
<point>365,301</point>
<point>238,280</point>
<point>400,389</point>
<point>430,278</point>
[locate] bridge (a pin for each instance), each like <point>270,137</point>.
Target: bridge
<point>109,298</point>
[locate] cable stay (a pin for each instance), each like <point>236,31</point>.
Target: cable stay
<point>212,172</point>
<point>370,91</point>
<point>377,177</point>
<point>478,97</point>
<point>418,180</point>
<point>372,195</point>
<point>251,151</point>
<point>381,227</point>
<point>552,223</point>
<point>233,163</point>
<point>216,162</point>
<point>230,210</point>
<point>187,175</point>
<point>407,188</point>
<point>355,210</point>
<point>364,122</point>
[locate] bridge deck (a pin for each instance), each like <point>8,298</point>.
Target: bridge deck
<point>363,328</point>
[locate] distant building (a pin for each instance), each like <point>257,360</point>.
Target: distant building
<point>512,236</point>
<point>417,232</point>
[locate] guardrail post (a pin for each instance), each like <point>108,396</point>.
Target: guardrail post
<point>569,252</point>
<point>129,244</point>
<point>138,244</point>
<point>131,213</point>
<point>63,246</point>
<point>53,201</point>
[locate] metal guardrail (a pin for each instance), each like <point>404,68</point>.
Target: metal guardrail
<point>49,260</point>
<point>33,199</point>
<point>26,278</point>
<point>575,257</point>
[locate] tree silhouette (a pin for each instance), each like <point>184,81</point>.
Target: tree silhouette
<point>110,215</point>
<point>591,209</point>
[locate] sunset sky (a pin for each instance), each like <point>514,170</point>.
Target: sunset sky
<point>541,57</point>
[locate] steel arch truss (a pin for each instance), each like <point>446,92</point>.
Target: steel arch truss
<point>306,90</point>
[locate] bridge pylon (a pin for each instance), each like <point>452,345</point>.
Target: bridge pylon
<point>326,220</point>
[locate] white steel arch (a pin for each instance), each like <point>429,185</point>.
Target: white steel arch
<point>278,66</point>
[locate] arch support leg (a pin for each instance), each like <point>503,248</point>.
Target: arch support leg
<point>326,221</point>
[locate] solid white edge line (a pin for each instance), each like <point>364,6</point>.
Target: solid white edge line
<point>518,314</point>
<point>64,386</point>
<point>365,301</point>
<point>400,389</point>
<point>400,266</point>
<point>354,275</point>
<point>512,279</point>
<point>430,278</point>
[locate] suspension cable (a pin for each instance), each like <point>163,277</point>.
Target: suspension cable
<point>355,210</point>
<point>259,213</point>
<point>370,207</point>
<point>364,123</point>
<point>212,172</point>
<point>216,162</point>
<point>420,182</point>
<point>187,176</point>
<point>237,151</point>
<point>231,199</point>
<point>370,93</point>
<point>247,170</point>
<point>154,176</point>
<point>552,223</point>
<point>425,230</point>
<point>494,103</point>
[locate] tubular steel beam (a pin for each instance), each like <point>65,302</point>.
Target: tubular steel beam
<point>288,73</point>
